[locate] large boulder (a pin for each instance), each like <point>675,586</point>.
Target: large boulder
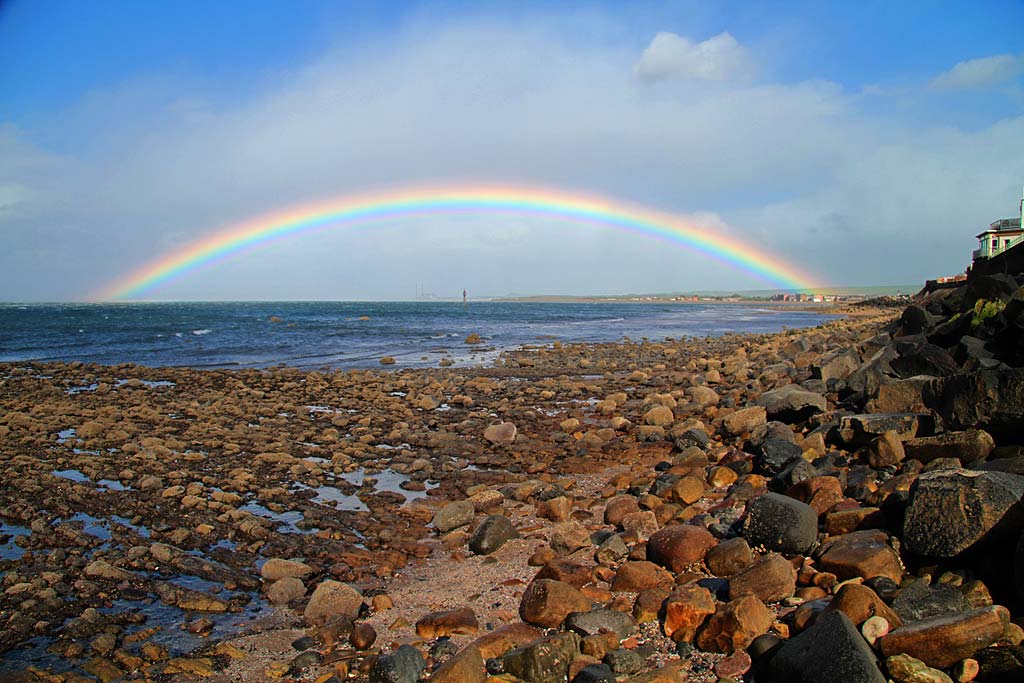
<point>332,599</point>
<point>791,403</point>
<point>946,639</point>
<point>864,554</point>
<point>546,603</point>
<point>966,446</point>
<point>781,523</point>
<point>830,650</point>
<point>545,660</point>
<point>492,533</point>
<point>992,400</point>
<point>770,578</point>
<point>952,511</point>
<point>744,421</point>
<point>679,545</point>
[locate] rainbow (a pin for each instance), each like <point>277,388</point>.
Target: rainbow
<point>507,199</point>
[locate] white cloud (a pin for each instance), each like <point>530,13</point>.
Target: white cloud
<point>718,58</point>
<point>977,73</point>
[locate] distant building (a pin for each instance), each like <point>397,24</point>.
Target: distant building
<point>1000,236</point>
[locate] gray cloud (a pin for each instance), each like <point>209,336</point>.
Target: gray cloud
<point>787,165</point>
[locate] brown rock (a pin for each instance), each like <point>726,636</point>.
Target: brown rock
<point>967,446</point>
<point>733,666</point>
<point>729,557</point>
<point>277,568</point>
<point>906,669</point>
<point>744,421</point>
<point>720,477</point>
<point>821,493</point>
<point>861,553</point>
<point>505,638</point>
<point>501,434</point>
<point>450,623</point>
<point>546,603</point>
<point>363,637</point>
<point>842,522</point>
<point>618,507</point>
<point>734,625</point>
<point>648,604</point>
<point>686,608</point>
<point>465,667</point>
<point>332,599</point>
<point>569,537</point>
<point>639,575</point>
<point>687,490</point>
<point>679,545</point>
<point>556,509</point>
<point>285,589</point>
<point>659,416</point>
<point>860,603</point>
<point>770,578</point>
<point>98,569</point>
<point>886,450</point>
<point>567,571</point>
<point>944,640</point>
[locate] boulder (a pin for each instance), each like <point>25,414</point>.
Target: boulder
<point>601,620</point>
<point>448,623</point>
<point>992,400</point>
<point>505,638</point>
<point>286,589</point>
<point>276,568</point>
<point>454,515</point>
<point>729,557</point>
<point>944,640</point>
<point>886,450</point>
<point>860,603</point>
<point>465,667</point>
<point>545,660</point>
<point>404,665</point>
<point>865,554</point>
<point>791,403</point>
<point>686,608</point>
<point>781,524</point>
<point>770,578</point>
<point>501,434</point>
<point>546,603</point>
<point>906,669</point>
<point>492,533</point>
<point>639,575</point>
<point>966,446</point>
<point>734,625</point>
<point>744,421</point>
<point>659,416</point>
<point>952,511</point>
<point>901,396</point>
<point>332,599</point>
<point>830,650</point>
<point>679,546</point>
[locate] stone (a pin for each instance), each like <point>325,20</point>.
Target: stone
<point>595,673</point>
<point>865,554</point>
<point>568,537</point>
<point>569,571</point>
<point>886,450</point>
<point>465,667</point>
<point>505,638</point>
<point>611,550</point>
<point>404,665</point>
<point>781,524</point>
<point>906,669</point>
<point>861,430</point>
<point>687,490</point>
<point>729,557</point>
<point>744,421</point>
<point>618,507</point>
<point>659,416</point>
<point>99,569</point>
<point>492,533</point>
<point>874,628</point>
<point>545,660</point>
<point>944,640</point>
<point>952,511</point>
<point>686,608</point>
<point>992,400</point>
<point>860,603</point>
<point>448,623</point>
<point>775,454</point>
<point>679,546</point>
<point>820,492</point>
<point>387,360</point>
<point>363,637</point>
<point>546,603</point>
<point>733,666</point>
<point>332,599</point>
<point>557,509</point>
<point>624,662</point>
<point>901,396</point>
<point>967,446</point>
<point>601,620</point>
<point>919,600</point>
<point>286,589</point>
<point>502,434</point>
<point>791,403</point>
<point>770,578</point>
<point>703,396</point>
<point>454,515</point>
<point>639,575</point>
<point>837,366</point>
<point>830,650</point>
<point>734,625</point>
<point>277,568</point>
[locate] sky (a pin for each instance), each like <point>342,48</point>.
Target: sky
<point>866,143</point>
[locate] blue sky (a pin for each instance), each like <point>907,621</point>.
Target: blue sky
<point>866,140</point>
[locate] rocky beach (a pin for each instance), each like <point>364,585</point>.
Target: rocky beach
<point>838,503</point>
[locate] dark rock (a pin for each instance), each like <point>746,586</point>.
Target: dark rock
<point>691,437</point>
<point>836,366</point>
<point>545,660</point>
<point>923,359</point>
<point>992,400</point>
<point>830,650</point>
<point>860,430</point>
<point>304,661</point>
<point>594,673</point>
<point>781,524</point>
<point>915,320</point>
<point>1000,664</point>
<point>919,600</point>
<point>775,454</point>
<point>404,665</point>
<point>624,662</point>
<point>492,533</point>
<point>951,511</point>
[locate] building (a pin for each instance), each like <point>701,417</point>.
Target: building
<point>1000,236</point>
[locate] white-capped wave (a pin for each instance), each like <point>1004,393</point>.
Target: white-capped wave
<point>200,333</point>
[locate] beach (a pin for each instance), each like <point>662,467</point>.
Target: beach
<point>651,510</point>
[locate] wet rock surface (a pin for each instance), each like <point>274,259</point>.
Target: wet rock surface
<point>814,505</point>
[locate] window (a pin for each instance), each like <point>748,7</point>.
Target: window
<point>995,244</point>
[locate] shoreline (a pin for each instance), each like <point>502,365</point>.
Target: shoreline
<point>353,478</point>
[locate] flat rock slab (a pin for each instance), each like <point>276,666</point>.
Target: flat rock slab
<point>966,446</point>
<point>791,403</point>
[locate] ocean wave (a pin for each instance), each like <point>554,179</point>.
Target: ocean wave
<point>200,333</point>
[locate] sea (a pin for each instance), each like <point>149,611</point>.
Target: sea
<point>315,335</point>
